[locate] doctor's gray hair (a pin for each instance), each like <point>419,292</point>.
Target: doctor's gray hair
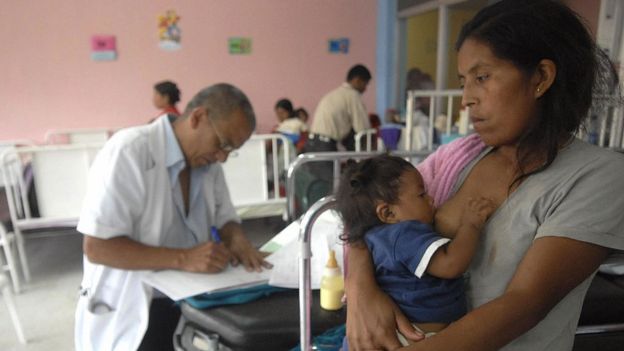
<point>221,100</point>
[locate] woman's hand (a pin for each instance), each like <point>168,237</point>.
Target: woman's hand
<point>372,317</point>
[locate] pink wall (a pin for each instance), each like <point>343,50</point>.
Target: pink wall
<point>50,82</point>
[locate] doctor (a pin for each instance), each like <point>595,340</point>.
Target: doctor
<point>154,192</point>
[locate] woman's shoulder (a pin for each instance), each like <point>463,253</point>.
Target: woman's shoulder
<point>581,165</point>
<point>582,154</point>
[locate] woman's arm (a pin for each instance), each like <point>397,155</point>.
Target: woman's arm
<point>546,275</point>
<point>372,316</point>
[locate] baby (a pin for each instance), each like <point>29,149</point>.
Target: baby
<point>383,202</point>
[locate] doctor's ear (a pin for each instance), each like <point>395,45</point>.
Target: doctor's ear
<point>384,213</point>
<point>196,116</point>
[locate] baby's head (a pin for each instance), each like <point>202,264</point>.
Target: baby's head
<point>379,190</point>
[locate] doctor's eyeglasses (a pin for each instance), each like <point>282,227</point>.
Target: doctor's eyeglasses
<point>224,145</point>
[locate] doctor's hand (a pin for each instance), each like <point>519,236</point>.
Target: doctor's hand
<point>243,252</point>
<point>208,257</point>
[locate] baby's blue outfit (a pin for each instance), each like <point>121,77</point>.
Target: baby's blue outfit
<point>401,253</point>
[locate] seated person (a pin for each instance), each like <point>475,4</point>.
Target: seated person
<point>383,203</point>
<point>290,124</point>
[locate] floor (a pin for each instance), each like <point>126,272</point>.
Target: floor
<point>47,303</point>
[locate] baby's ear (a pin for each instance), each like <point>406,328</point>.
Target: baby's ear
<point>385,213</point>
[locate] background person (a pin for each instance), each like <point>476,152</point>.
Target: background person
<point>290,125</point>
<point>529,86</point>
<point>154,193</point>
<point>166,96</point>
<point>303,115</point>
<point>340,114</point>
<point>338,117</point>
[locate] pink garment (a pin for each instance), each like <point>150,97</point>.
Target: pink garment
<point>441,169</point>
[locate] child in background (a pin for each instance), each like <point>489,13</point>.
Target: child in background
<point>303,115</point>
<point>383,203</point>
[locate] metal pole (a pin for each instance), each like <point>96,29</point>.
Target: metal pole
<point>305,258</point>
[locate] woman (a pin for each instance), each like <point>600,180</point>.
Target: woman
<point>290,124</point>
<point>166,96</point>
<point>528,71</point>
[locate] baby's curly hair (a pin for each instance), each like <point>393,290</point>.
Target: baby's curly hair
<point>362,185</point>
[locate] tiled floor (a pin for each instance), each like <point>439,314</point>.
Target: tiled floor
<point>46,304</point>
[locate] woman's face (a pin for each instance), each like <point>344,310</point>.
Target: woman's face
<point>501,98</point>
<point>160,101</point>
<point>281,114</point>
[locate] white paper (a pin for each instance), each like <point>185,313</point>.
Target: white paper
<point>287,235</point>
<point>179,285</point>
<point>324,236</point>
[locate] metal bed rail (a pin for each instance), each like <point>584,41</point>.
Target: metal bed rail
<point>305,262</point>
<point>368,134</point>
<point>605,124</point>
<point>336,158</point>
<point>435,104</point>
<point>78,135</point>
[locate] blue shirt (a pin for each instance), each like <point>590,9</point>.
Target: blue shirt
<point>401,253</point>
<point>196,219</point>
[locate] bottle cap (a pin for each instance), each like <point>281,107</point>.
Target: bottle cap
<point>331,262</point>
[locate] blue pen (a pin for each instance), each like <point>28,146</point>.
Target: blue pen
<point>215,234</point>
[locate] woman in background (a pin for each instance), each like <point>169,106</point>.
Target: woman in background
<point>166,96</point>
<point>290,124</point>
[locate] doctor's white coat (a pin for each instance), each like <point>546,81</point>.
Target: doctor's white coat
<point>129,193</point>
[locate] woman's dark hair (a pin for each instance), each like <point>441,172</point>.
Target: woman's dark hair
<point>169,89</point>
<point>362,185</point>
<point>287,106</point>
<point>524,33</point>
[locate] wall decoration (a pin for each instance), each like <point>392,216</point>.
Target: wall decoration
<point>339,45</point>
<point>103,48</point>
<point>239,46</point>
<point>169,33</point>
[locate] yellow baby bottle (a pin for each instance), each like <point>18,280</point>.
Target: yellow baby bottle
<point>332,284</point>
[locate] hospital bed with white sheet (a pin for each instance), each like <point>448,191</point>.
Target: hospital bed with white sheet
<point>44,187</point>
<point>78,135</point>
<point>254,175</point>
